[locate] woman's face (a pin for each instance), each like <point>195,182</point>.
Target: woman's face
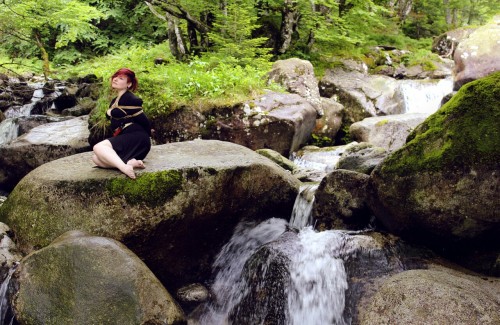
<point>120,82</point>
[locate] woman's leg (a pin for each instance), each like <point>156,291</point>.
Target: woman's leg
<point>105,156</point>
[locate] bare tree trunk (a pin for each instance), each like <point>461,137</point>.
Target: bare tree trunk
<point>447,12</point>
<point>290,17</point>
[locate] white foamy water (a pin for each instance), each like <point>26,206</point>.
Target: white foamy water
<point>318,279</point>
<point>302,208</point>
<point>423,96</point>
<point>8,130</point>
<point>4,303</point>
<point>228,285</point>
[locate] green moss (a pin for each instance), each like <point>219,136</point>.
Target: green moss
<point>382,122</point>
<point>464,132</point>
<point>151,188</point>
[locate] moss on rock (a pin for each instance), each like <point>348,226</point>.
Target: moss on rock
<point>151,188</point>
<point>464,132</point>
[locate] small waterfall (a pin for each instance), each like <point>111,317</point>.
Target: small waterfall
<point>302,208</point>
<point>8,130</point>
<point>4,302</point>
<point>423,96</point>
<point>228,285</point>
<point>25,110</point>
<point>318,279</point>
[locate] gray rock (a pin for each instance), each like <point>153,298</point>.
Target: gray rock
<point>341,201</point>
<point>297,76</point>
<point>442,187</point>
<point>438,296</point>
<point>388,132</point>
<point>362,158</point>
<point>478,55</point>
<point>282,122</point>
<point>278,159</point>
<point>83,279</point>
<point>175,216</point>
<point>39,145</point>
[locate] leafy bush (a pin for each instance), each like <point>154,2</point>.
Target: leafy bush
<point>204,82</point>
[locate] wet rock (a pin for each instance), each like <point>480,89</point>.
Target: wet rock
<point>328,125</point>
<point>84,279</point>
<point>9,254</point>
<point>341,201</point>
<point>192,295</point>
<point>278,159</point>
<point>83,107</point>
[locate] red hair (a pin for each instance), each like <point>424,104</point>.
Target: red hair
<point>130,76</point>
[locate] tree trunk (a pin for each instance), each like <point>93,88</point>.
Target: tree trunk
<point>404,9</point>
<point>45,56</point>
<point>447,12</point>
<point>290,17</point>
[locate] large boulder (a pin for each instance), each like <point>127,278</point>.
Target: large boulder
<point>82,279</point>
<point>478,55</point>
<point>442,187</point>
<point>39,145</point>
<point>175,216</point>
<point>436,296</point>
<point>341,201</point>
<point>297,76</point>
<point>278,121</point>
<point>388,132</point>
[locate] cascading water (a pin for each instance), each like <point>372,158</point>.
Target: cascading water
<point>4,303</point>
<point>302,208</point>
<point>9,127</point>
<point>423,96</point>
<point>317,277</point>
<point>8,130</point>
<point>228,285</point>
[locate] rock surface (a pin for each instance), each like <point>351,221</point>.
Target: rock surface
<point>341,201</point>
<point>478,55</point>
<point>175,216</point>
<point>282,122</point>
<point>40,145</point>
<point>437,296</point>
<point>297,76</point>
<point>388,132</point>
<point>82,279</point>
<point>442,187</point>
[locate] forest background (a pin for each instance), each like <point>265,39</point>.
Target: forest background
<point>215,52</point>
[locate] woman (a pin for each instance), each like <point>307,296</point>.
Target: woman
<point>131,128</point>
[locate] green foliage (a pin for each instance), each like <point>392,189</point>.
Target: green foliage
<point>232,35</point>
<point>421,57</point>
<point>203,82</point>
<point>321,141</point>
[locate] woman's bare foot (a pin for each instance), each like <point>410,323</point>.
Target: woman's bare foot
<point>128,170</point>
<point>136,163</point>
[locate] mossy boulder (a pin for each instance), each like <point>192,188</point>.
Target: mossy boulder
<point>175,216</point>
<point>82,279</point>
<point>442,187</point>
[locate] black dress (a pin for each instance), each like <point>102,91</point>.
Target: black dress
<point>133,141</point>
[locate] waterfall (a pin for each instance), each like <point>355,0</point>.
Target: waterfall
<point>4,302</point>
<point>302,208</point>
<point>8,130</point>
<point>228,285</point>
<point>318,279</point>
<point>423,96</point>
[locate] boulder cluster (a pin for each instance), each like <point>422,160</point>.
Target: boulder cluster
<point>88,245</point>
